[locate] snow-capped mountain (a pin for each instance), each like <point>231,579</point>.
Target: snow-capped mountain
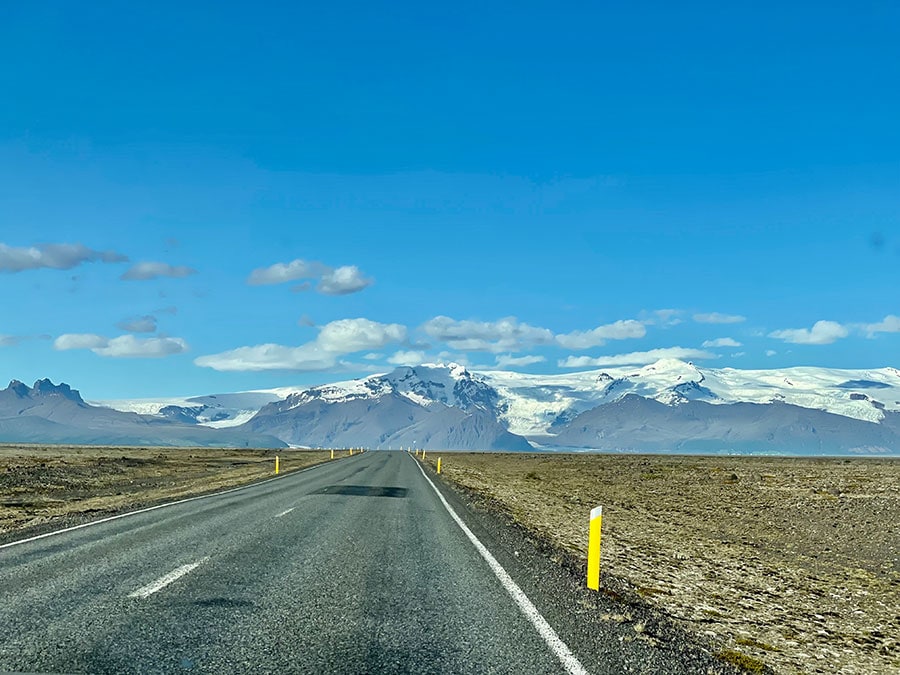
<point>428,406</point>
<point>49,413</point>
<point>536,403</point>
<point>213,410</point>
<point>446,405</point>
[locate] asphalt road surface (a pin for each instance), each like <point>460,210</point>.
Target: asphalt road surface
<point>355,566</point>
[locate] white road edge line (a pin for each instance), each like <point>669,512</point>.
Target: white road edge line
<point>284,513</point>
<point>162,582</point>
<point>554,642</point>
<point>160,506</point>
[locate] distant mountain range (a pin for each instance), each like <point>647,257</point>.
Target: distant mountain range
<point>669,406</point>
<point>48,413</point>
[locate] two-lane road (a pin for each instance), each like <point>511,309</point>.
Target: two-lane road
<point>353,566</point>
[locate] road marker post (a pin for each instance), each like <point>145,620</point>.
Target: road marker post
<point>593,566</point>
<point>332,453</point>
<point>423,454</point>
<point>351,452</point>
<point>277,468</point>
<point>439,465</point>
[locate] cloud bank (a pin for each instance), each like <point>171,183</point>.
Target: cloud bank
<point>635,358</point>
<point>335,339</point>
<point>124,346</point>
<point>52,256</point>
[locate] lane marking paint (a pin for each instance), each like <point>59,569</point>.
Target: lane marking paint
<point>284,513</point>
<point>545,630</point>
<point>162,582</point>
<point>160,506</point>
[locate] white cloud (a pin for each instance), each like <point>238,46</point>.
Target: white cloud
<point>407,358</point>
<point>716,317</point>
<point>52,256</point>
<point>123,346</point>
<point>144,271</point>
<point>280,273</point>
<point>722,342</point>
<point>79,341</point>
<point>635,358</point>
<point>620,330</point>
<point>342,281</point>
<point>510,361</point>
<point>270,357</point>
<point>334,340</point>
<point>890,324</point>
<point>331,281</point>
<point>129,346</point>
<point>771,352</point>
<point>504,335</point>
<point>138,324</point>
<point>355,335</point>
<point>822,333</point>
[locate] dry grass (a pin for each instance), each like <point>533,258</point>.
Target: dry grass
<point>40,486</point>
<point>794,563</point>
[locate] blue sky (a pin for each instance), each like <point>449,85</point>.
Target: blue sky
<point>226,196</point>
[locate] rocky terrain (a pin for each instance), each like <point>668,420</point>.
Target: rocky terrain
<point>788,563</point>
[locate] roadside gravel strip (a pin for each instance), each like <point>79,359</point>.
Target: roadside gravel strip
<point>357,566</point>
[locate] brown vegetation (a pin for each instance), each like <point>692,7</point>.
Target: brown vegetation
<point>42,487</point>
<point>787,562</point>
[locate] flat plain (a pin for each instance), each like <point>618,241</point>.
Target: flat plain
<point>55,486</point>
<point>786,563</point>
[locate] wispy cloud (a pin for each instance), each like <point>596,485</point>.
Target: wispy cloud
<point>329,280</point>
<point>335,339</point>
<point>144,271</point>
<point>635,358</point>
<point>722,342</point>
<point>13,340</point>
<point>510,361</point>
<point>716,317</point>
<point>620,330</point>
<point>822,333</point>
<point>138,324</point>
<point>52,256</point>
<point>124,346</point>
<point>662,317</point>
<point>505,335</point>
<point>890,324</point>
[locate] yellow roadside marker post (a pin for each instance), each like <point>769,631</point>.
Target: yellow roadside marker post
<point>332,453</point>
<point>276,465</point>
<point>351,452</point>
<point>593,566</point>
<point>439,465</point>
<point>423,454</point>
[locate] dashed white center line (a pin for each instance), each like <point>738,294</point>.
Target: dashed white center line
<point>284,513</point>
<point>162,582</point>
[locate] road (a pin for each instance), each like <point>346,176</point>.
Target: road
<point>353,566</point>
